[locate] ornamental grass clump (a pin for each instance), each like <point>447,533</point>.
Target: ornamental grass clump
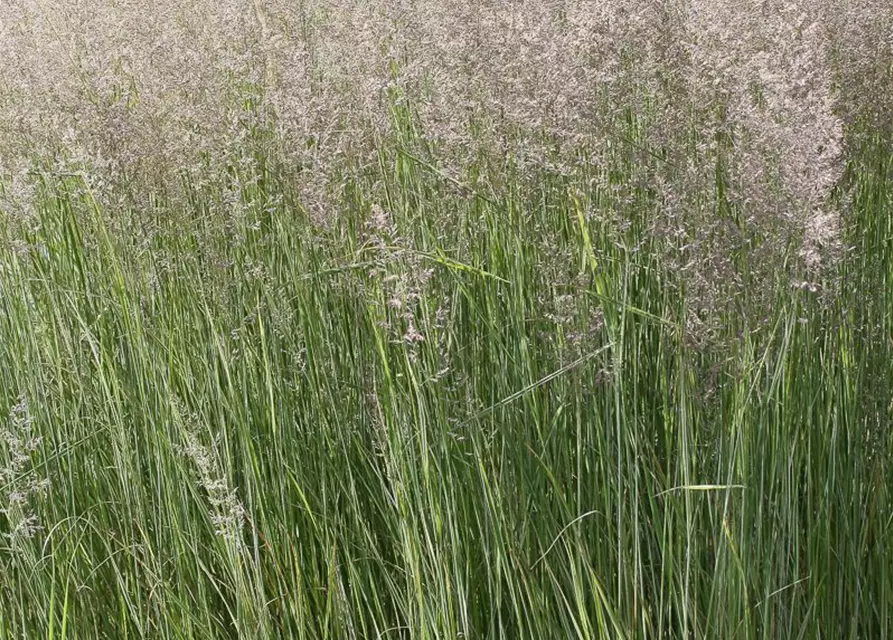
<point>446,319</point>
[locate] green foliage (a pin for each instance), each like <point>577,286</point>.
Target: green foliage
<point>456,412</point>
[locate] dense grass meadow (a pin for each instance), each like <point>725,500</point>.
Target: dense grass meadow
<point>394,348</point>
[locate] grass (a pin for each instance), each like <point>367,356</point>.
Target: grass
<point>483,413</point>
